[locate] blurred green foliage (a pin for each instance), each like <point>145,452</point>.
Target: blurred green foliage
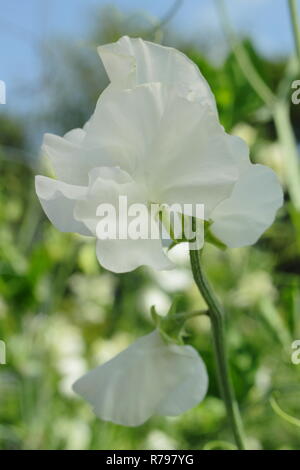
<point>61,313</point>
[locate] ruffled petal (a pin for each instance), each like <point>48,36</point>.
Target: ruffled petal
<point>66,157</point>
<point>73,156</point>
<point>132,61</point>
<point>58,200</point>
<point>241,219</point>
<point>150,377</point>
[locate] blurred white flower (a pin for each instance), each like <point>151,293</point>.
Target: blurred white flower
<point>149,378</point>
<point>175,280</point>
<point>245,132</point>
<point>253,443</point>
<point>271,154</point>
<point>75,433</point>
<point>93,295</point>
<point>150,296</point>
<point>252,288</point>
<point>158,440</point>
<point>105,349</point>
<point>62,338</point>
<point>65,344</point>
<point>263,380</point>
<point>69,368</point>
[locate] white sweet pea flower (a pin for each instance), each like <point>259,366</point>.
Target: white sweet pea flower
<point>155,143</point>
<point>148,144</point>
<point>133,61</point>
<point>242,218</point>
<point>149,378</point>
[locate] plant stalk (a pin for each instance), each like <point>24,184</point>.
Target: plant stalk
<point>296,27</point>
<point>217,323</point>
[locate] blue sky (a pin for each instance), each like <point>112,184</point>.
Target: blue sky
<point>23,24</point>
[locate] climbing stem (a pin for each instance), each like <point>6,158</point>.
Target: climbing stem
<point>217,323</point>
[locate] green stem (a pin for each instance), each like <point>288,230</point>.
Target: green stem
<point>296,27</point>
<point>217,323</point>
<point>289,149</point>
<point>243,59</point>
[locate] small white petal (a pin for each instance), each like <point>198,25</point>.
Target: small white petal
<point>65,157</point>
<point>122,256</point>
<point>149,378</point>
<point>106,185</point>
<point>58,200</point>
<point>132,61</point>
<point>73,156</point>
<point>242,218</point>
<point>117,255</point>
<point>120,67</point>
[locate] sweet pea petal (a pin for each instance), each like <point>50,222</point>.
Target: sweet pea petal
<point>66,157</point>
<point>241,219</point>
<point>121,256</point>
<point>75,136</point>
<point>128,120</point>
<point>72,157</point>
<point>119,65</point>
<point>198,128</point>
<point>150,377</point>
<point>106,185</point>
<point>58,200</point>
<point>132,61</point>
<point>192,156</point>
<point>192,390</point>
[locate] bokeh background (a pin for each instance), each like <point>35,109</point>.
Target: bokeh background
<point>60,312</point>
